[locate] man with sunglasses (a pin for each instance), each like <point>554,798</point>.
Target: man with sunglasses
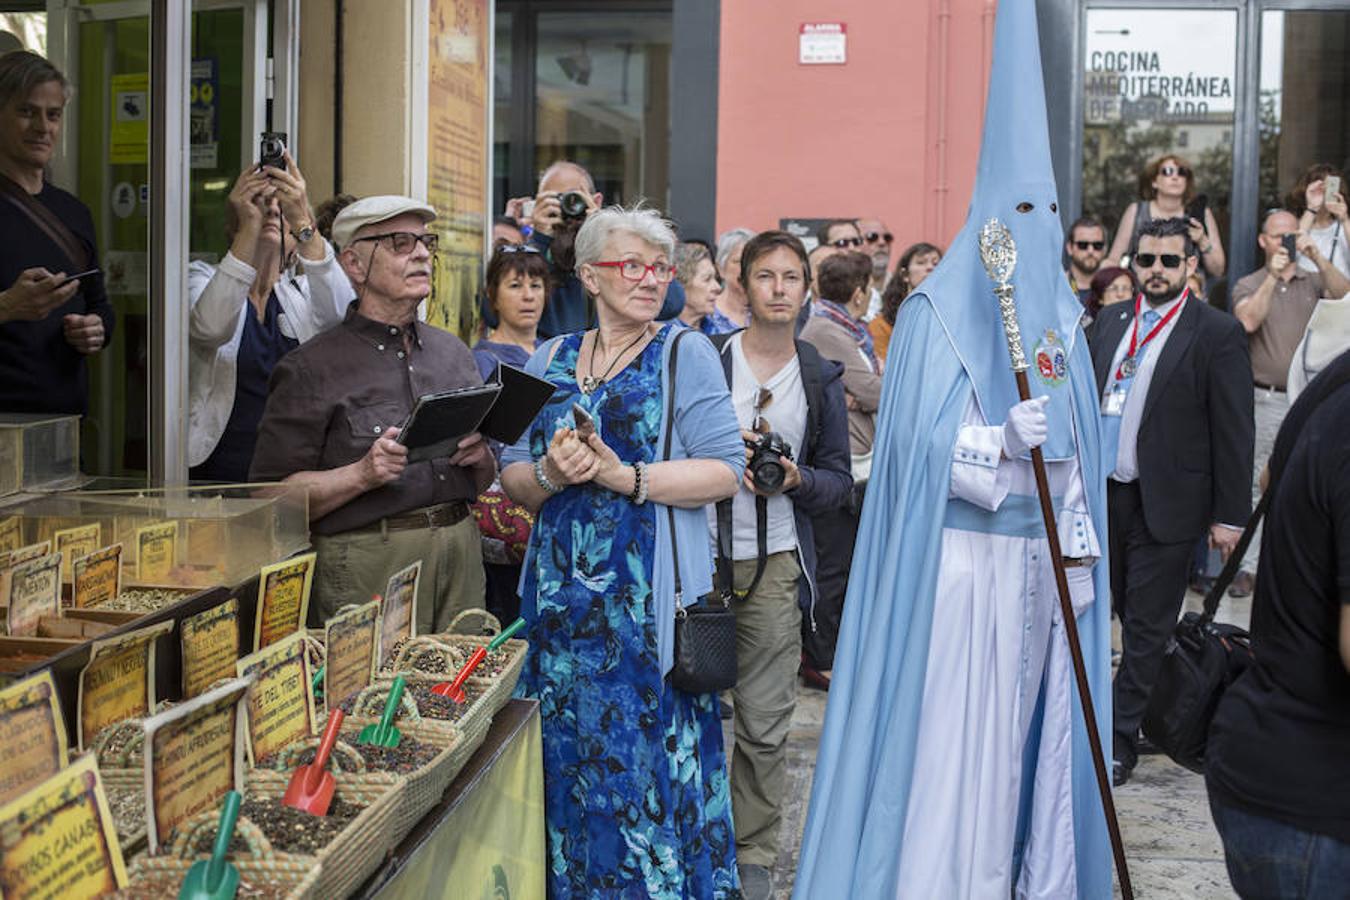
<point>1085,245</point>
<point>764,534</point>
<point>877,241</point>
<point>332,421</point>
<point>1172,374</point>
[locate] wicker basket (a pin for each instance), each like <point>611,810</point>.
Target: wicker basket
<point>497,688</point>
<point>297,877</point>
<point>472,726</point>
<point>427,658</point>
<point>423,788</point>
<point>130,781</point>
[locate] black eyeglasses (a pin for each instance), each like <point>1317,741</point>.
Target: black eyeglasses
<point>516,248</point>
<point>873,236</point>
<point>1169,260</point>
<point>762,400</point>
<point>841,243</point>
<point>402,242</point>
<point>1095,245</point>
<point>1170,170</point>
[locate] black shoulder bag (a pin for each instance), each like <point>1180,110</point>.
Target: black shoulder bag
<point>1204,657</point>
<point>705,631</point>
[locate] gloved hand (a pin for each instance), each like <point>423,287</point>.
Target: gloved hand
<point>1026,427</point>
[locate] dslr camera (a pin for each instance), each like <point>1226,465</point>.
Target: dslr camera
<point>767,452</point>
<point>573,205</point>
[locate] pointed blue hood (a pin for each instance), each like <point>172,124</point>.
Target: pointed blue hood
<point>1015,183</point>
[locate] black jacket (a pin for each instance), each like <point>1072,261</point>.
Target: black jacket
<point>823,458</point>
<point>1197,432</point>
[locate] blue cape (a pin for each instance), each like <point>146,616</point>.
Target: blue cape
<point>948,342</point>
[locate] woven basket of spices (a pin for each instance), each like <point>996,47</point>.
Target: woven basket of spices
<point>427,759</point>
<point>263,873</point>
<point>426,658</point>
<point>422,706</point>
<point>125,789</point>
<point>498,673</point>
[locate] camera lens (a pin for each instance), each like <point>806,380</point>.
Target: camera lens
<point>573,205</point>
<point>769,475</point>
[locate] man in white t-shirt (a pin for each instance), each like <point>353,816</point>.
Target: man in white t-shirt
<point>790,403</point>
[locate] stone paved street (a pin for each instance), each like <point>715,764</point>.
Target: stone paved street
<point>1173,850</point>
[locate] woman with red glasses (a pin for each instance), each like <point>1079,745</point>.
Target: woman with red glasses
<point>1167,189</point>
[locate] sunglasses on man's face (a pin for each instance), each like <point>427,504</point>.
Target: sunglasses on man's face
<point>1170,170</point>
<point>873,236</point>
<point>1084,245</point>
<point>1169,260</point>
<point>841,243</point>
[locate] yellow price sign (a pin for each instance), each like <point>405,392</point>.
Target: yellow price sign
<point>119,681</point>
<point>352,640</point>
<point>32,735</point>
<point>57,841</point>
<point>283,599</point>
<point>281,704</point>
<point>97,577</point>
<point>76,542</point>
<point>210,643</point>
<point>11,534</point>
<point>156,552</point>
<point>34,592</point>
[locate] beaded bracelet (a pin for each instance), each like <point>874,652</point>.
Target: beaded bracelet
<point>542,480</point>
<point>639,495</point>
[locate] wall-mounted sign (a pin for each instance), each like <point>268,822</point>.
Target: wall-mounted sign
<point>822,44</point>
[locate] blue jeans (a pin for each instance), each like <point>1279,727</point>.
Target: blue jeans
<point>1270,860</point>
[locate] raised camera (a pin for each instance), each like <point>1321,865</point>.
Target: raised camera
<point>767,452</point>
<point>272,149</point>
<point>573,205</point>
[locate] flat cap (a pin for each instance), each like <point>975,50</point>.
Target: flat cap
<point>369,210</point>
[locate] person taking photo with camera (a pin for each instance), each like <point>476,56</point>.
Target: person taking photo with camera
<point>790,404</point>
<point>565,199</point>
<point>253,309</point>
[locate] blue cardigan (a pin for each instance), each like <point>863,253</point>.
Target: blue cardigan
<point>705,428</point>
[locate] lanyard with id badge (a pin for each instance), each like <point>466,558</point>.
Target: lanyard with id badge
<point>1113,403</point>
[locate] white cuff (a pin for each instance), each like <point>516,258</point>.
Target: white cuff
<point>978,473</point>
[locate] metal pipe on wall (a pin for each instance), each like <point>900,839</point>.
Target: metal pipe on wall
<point>940,147</point>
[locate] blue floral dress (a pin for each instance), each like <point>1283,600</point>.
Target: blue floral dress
<point>635,778</point>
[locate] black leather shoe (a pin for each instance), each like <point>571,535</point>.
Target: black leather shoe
<point>1120,773</point>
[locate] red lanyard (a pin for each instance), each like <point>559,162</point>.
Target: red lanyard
<point>1137,345</point>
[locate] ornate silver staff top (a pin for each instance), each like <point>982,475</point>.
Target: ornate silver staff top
<point>998,252</point>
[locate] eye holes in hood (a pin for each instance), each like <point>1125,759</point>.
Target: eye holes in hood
<point>1025,207</point>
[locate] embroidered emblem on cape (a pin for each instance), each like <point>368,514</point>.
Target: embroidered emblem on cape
<point>1052,360</point>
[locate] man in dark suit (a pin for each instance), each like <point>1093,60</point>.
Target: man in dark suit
<point>1178,430</point>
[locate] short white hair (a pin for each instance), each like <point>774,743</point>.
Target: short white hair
<point>727,243</point>
<point>600,226</point>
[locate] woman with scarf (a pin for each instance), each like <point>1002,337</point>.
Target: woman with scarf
<point>836,328</point>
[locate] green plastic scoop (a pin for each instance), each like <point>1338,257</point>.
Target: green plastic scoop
<point>214,878</point>
<point>385,734</point>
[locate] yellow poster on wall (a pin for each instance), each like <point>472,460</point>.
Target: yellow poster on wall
<point>457,156</point>
<point>129,118</point>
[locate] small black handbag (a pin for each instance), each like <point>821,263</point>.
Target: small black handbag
<point>705,631</point>
<point>1201,660</point>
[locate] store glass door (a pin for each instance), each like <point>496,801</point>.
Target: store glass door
<point>105,50</point>
<point>1158,82</point>
<point>1304,111</point>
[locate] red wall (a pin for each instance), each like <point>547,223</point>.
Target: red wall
<point>893,133</point>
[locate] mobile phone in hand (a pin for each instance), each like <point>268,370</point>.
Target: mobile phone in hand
<point>77,276</point>
<point>585,424</point>
<point>1290,242</point>
<point>1331,188</point>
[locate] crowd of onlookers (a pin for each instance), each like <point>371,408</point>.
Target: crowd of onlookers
<point>666,468</point>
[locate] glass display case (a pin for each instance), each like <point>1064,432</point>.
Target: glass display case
<point>181,536</point>
<point>38,452</point>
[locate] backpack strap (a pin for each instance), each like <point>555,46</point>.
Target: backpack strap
<point>72,247</point>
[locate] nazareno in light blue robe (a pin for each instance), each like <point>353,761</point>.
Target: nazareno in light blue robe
<point>948,342</point>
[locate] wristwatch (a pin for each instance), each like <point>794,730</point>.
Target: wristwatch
<point>303,233</point>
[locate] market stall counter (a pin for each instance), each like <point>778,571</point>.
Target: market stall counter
<point>485,838</point>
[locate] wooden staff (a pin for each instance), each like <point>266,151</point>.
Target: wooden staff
<point>999,254</point>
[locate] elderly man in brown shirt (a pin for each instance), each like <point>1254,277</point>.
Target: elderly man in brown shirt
<point>1274,305</point>
<point>332,421</point>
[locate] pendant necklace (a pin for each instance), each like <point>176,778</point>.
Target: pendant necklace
<point>590,382</point>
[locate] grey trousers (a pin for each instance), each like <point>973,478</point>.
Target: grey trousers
<point>768,652</point>
<point>1271,407</point>
<point>354,566</point>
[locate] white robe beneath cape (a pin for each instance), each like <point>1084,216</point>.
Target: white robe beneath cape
<point>996,633</point>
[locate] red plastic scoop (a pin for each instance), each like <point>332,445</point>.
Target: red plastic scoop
<point>455,689</point>
<point>311,787</point>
